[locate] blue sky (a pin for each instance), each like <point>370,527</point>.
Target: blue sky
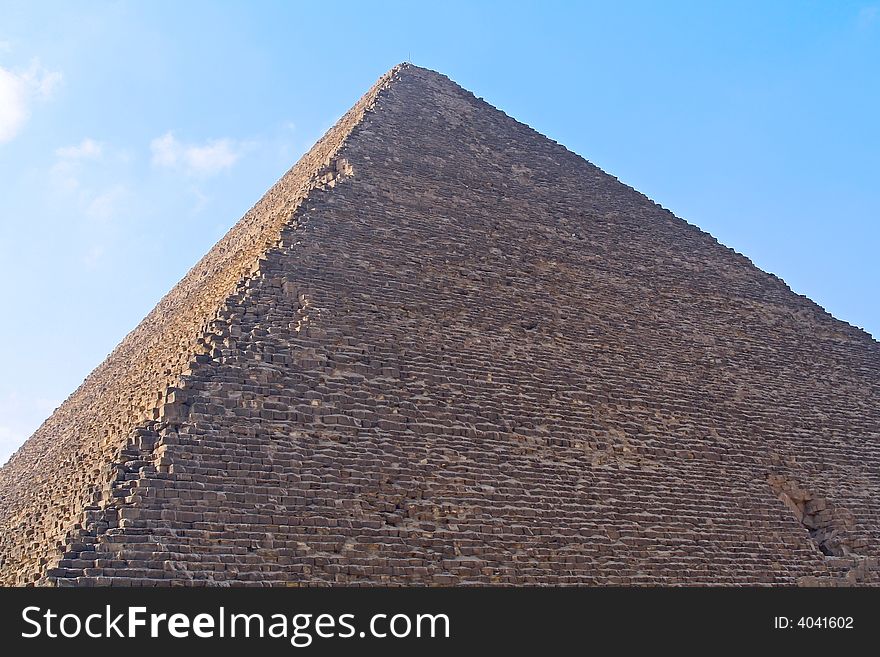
<point>134,134</point>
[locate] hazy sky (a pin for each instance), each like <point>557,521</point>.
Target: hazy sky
<point>134,134</point>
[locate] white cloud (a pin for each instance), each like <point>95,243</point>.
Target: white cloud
<point>166,150</point>
<point>13,104</point>
<point>41,80</point>
<point>106,205</point>
<point>87,149</point>
<point>18,91</point>
<point>85,179</point>
<point>65,173</point>
<point>204,160</point>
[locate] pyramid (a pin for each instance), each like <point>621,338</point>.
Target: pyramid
<point>443,349</point>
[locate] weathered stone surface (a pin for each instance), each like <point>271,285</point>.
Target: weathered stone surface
<point>445,350</point>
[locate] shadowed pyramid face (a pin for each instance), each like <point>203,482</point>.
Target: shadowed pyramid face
<point>444,350</point>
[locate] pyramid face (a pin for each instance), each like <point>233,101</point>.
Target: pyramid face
<point>445,350</point>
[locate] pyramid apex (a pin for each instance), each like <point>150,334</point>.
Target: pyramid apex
<point>413,68</point>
